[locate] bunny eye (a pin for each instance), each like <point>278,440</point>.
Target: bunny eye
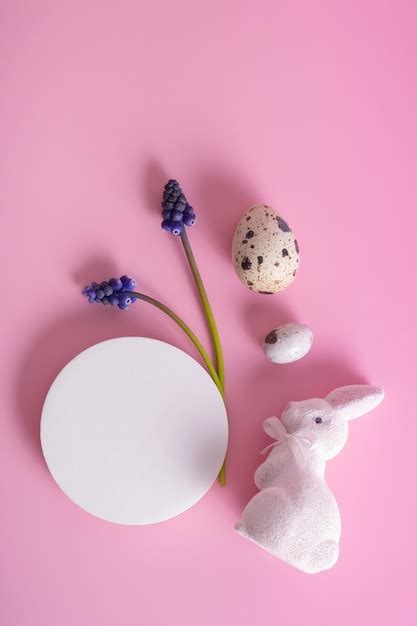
<point>319,420</point>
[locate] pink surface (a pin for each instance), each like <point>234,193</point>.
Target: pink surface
<point>308,106</point>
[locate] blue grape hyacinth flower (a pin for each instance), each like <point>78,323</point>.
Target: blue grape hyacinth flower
<point>114,292</point>
<point>176,212</point>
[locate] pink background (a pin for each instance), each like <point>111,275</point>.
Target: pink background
<point>308,106</point>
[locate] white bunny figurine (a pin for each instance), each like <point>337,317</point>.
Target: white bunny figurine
<point>295,516</point>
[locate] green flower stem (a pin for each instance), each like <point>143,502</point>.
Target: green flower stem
<point>222,474</point>
<point>206,306</point>
<point>212,326</point>
<point>197,343</point>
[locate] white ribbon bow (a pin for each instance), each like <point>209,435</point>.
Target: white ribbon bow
<point>300,442</point>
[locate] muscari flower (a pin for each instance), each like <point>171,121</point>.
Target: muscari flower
<point>176,211</point>
<point>114,291</point>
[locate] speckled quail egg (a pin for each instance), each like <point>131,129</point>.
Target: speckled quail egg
<point>265,251</point>
<point>288,343</point>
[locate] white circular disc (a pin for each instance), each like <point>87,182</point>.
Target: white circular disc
<point>134,430</point>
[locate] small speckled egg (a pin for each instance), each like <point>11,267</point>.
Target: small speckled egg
<point>265,251</point>
<point>288,343</point>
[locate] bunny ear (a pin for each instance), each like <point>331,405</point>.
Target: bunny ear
<point>355,400</point>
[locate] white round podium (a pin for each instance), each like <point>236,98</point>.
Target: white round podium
<point>134,430</point>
